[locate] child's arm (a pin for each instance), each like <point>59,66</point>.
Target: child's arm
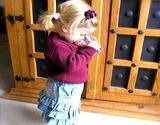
<point>68,60</point>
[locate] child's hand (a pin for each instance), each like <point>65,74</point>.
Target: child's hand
<point>92,42</point>
<point>95,45</point>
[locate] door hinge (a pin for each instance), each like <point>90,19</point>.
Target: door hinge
<point>12,18</point>
<point>24,79</point>
<point>17,78</point>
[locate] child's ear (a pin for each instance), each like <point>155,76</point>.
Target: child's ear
<point>64,29</point>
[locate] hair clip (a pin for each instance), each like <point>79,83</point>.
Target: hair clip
<point>56,15</point>
<point>90,14</point>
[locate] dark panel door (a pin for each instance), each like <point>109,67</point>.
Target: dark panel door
<point>132,72</point>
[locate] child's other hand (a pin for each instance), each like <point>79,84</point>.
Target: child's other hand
<point>95,45</point>
<point>92,42</point>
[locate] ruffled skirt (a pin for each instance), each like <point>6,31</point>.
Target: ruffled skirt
<point>60,102</point>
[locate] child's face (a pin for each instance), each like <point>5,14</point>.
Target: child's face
<point>80,33</point>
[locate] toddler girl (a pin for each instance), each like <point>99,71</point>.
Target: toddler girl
<point>69,48</point>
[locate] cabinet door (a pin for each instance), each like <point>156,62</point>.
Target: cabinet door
<point>132,69</point>
<point>17,41</point>
<point>36,38</point>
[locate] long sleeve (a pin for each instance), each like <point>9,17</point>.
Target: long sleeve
<point>70,61</point>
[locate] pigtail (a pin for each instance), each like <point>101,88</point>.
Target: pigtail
<point>48,21</point>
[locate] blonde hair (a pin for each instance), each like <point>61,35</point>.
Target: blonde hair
<point>71,16</point>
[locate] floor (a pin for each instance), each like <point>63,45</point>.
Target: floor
<point>20,113</point>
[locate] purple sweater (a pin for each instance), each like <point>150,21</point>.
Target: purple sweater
<point>66,61</point>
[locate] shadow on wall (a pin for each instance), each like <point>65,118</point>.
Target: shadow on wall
<point>6,74</point>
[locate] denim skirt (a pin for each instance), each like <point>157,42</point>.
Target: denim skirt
<point>60,102</point>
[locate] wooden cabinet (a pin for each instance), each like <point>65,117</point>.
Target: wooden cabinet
<point>130,71</point>
<point>125,76</point>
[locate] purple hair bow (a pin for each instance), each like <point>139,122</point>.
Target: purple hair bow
<point>90,14</point>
